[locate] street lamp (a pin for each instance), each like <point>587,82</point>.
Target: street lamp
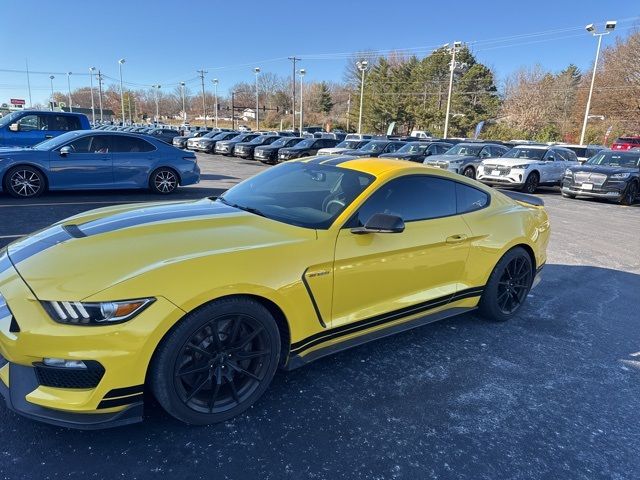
<point>120,62</point>
<point>302,73</point>
<point>257,72</point>
<point>69,90</point>
<point>215,99</point>
<point>93,108</point>
<point>157,90</point>
<point>608,28</point>
<point>452,67</point>
<point>362,66</point>
<point>184,109</point>
<point>51,77</point>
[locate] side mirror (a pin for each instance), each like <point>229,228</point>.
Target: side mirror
<point>14,127</point>
<point>64,151</point>
<point>381,223</point>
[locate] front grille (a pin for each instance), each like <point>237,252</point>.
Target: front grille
<point>595,178</point>
<point>502,169</point>
<point>60,377</point>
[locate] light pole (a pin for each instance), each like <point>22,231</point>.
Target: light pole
<point>184,108</point>
<point>69,90</point>
<point>100,94</point>
<point>452,68</point>
<point>156,90</point>
<point>257,72</point>
<point>302,72</point>
<point>51,77</point>
<point>120,62</point>
<point>362,66</point>
<point>609,27</point>
<point>215,99</point>
<point>93,107</point>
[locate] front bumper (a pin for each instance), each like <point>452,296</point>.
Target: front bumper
<point>613,194</point>
<point>512,179</point>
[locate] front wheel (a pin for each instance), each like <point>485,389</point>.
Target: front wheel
<point>24,182</point>
<point>630,194</point>
<point>469,172</point>
<point>531,183</point>
<point>217,362</point>
<point>508,286</point>
<point>163,181</point>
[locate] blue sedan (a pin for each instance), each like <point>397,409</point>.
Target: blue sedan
<point>94,159</point>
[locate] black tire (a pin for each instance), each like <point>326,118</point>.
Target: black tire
<point>24,181</point>
<point>531,183</point>
<point>469,172</point>
<point>164,181</point>
<point>194,377</point>
<point>568,195</point>
<point>508,286</point>
<point>630,194</point>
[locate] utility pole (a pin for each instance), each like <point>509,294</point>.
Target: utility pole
<point>452,68</point>
<point>157,89</point>
<point>93,106</point>
<point>100,93</point>
<point>51,77</point>
<point>202,73</point>
<point>348,111</point>
<point>233,111</point>
<point>293,81</point>
<point>362,66</point>
<point>69,90</point>
<point>302,73</point>
<point>120,62</point>
<point>215,100</point>
<point>129,100</point>
<point>184,109</point>
<point>257,72</point>
<point>28,83</point>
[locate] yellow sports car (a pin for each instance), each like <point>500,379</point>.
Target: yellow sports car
<point>202,301</point>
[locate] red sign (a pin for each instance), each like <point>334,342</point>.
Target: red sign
<point>17,101</point>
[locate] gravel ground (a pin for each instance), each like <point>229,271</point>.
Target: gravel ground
<point>552,394</point>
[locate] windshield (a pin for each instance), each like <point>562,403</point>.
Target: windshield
<point>259,140</point>
<point>306,143</point>
<point>611,159</point>
<point>350,144</point>
<point>526,153</point>
<point>465,149</point>
<point>413,148</point>
<point>281,142</point>
<point>305,195</point>
<point>373,147</point>
<point>55,142</point>
<point>8,119</point>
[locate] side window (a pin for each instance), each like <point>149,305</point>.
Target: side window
<point>485,152</point>
<point>570,156</point>
<point>416,197</point>
<point>81,145</point>
<point>561,155</point>
<point>124,144</point>
<point>469,199</point>
<point>64,123</point>
<point>392,147</point>
<point>550,156</point>
<point>29,123</point>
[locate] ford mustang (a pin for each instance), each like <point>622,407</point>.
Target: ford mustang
<point>201,301</point>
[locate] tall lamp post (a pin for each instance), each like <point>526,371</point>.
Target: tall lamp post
<point>156,91</point>
<point>93,106</point>
<point>184,108</point>
<point>120,62</point>
<point>69,91</point>
<point>257,72</point>
<point>215,99</point>
<point>608,28</point>
<point>51,77</point>
<point>362,66</point>
<point>452,69</point>
<point>302,73</point>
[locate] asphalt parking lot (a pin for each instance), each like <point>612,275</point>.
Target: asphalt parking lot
<point>554,393</point>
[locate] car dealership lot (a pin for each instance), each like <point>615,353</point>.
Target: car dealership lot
<point>553,393</point>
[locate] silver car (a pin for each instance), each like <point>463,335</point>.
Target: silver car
<point>464,158</point>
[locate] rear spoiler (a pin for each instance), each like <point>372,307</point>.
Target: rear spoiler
<point>523,197</point>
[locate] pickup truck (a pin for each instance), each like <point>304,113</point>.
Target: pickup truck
<point>28,127</point>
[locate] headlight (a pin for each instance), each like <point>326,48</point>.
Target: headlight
<point>620,175</point>
<point>454,162</point>
<point>522,166</point>
<point>98,313</point>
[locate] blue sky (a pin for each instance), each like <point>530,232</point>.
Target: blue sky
<point>167,41</point>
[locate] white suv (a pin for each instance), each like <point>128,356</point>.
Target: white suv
<point>527,166</point>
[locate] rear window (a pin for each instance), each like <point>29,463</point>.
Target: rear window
<point>634,141</point>
<point>469,199</point>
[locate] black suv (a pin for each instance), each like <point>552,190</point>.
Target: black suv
<point>269,153</point>
<point>206,143</point>
<point>164,134</point>
<point>227,147</point>
<point>375,148</point>
<point>306,148</point>
<point>611,174</point>
<point>246,149</point>
<point>418,151</point>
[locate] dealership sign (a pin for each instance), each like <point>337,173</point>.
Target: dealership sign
<point>17,101</point>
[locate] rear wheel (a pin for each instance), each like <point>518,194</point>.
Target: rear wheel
<point>508,286</point>
<point>469,172</point>
<point>531,183</point>
<point>217,362</point>
<point>630,194</point>
<point>163,181</point>
<point>24,182</point>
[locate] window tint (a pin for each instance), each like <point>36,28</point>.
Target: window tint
<point>412,198</point>
<point>125,144</point>
<point>64,123</point>
<point>31,122</point>
<point>470,199</point>
<point>392,147</point>
<point>81,145</point>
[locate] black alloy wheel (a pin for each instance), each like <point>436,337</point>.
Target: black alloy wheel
<point>531,183</point>
<point>469,172</point>
<point>163,181</point>
<point>217,362</point>
<point>24,182</point>
<point>630,194</point>
<point>508,285</point>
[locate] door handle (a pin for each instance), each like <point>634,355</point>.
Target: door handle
<point>48,136</point>
<point>461,237</point>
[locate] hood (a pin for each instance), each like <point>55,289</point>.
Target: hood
<point>606,169</point>
<point>509,162</point>
<point>88,253</point>
<point>449,158</point>
<point>13,150</point>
